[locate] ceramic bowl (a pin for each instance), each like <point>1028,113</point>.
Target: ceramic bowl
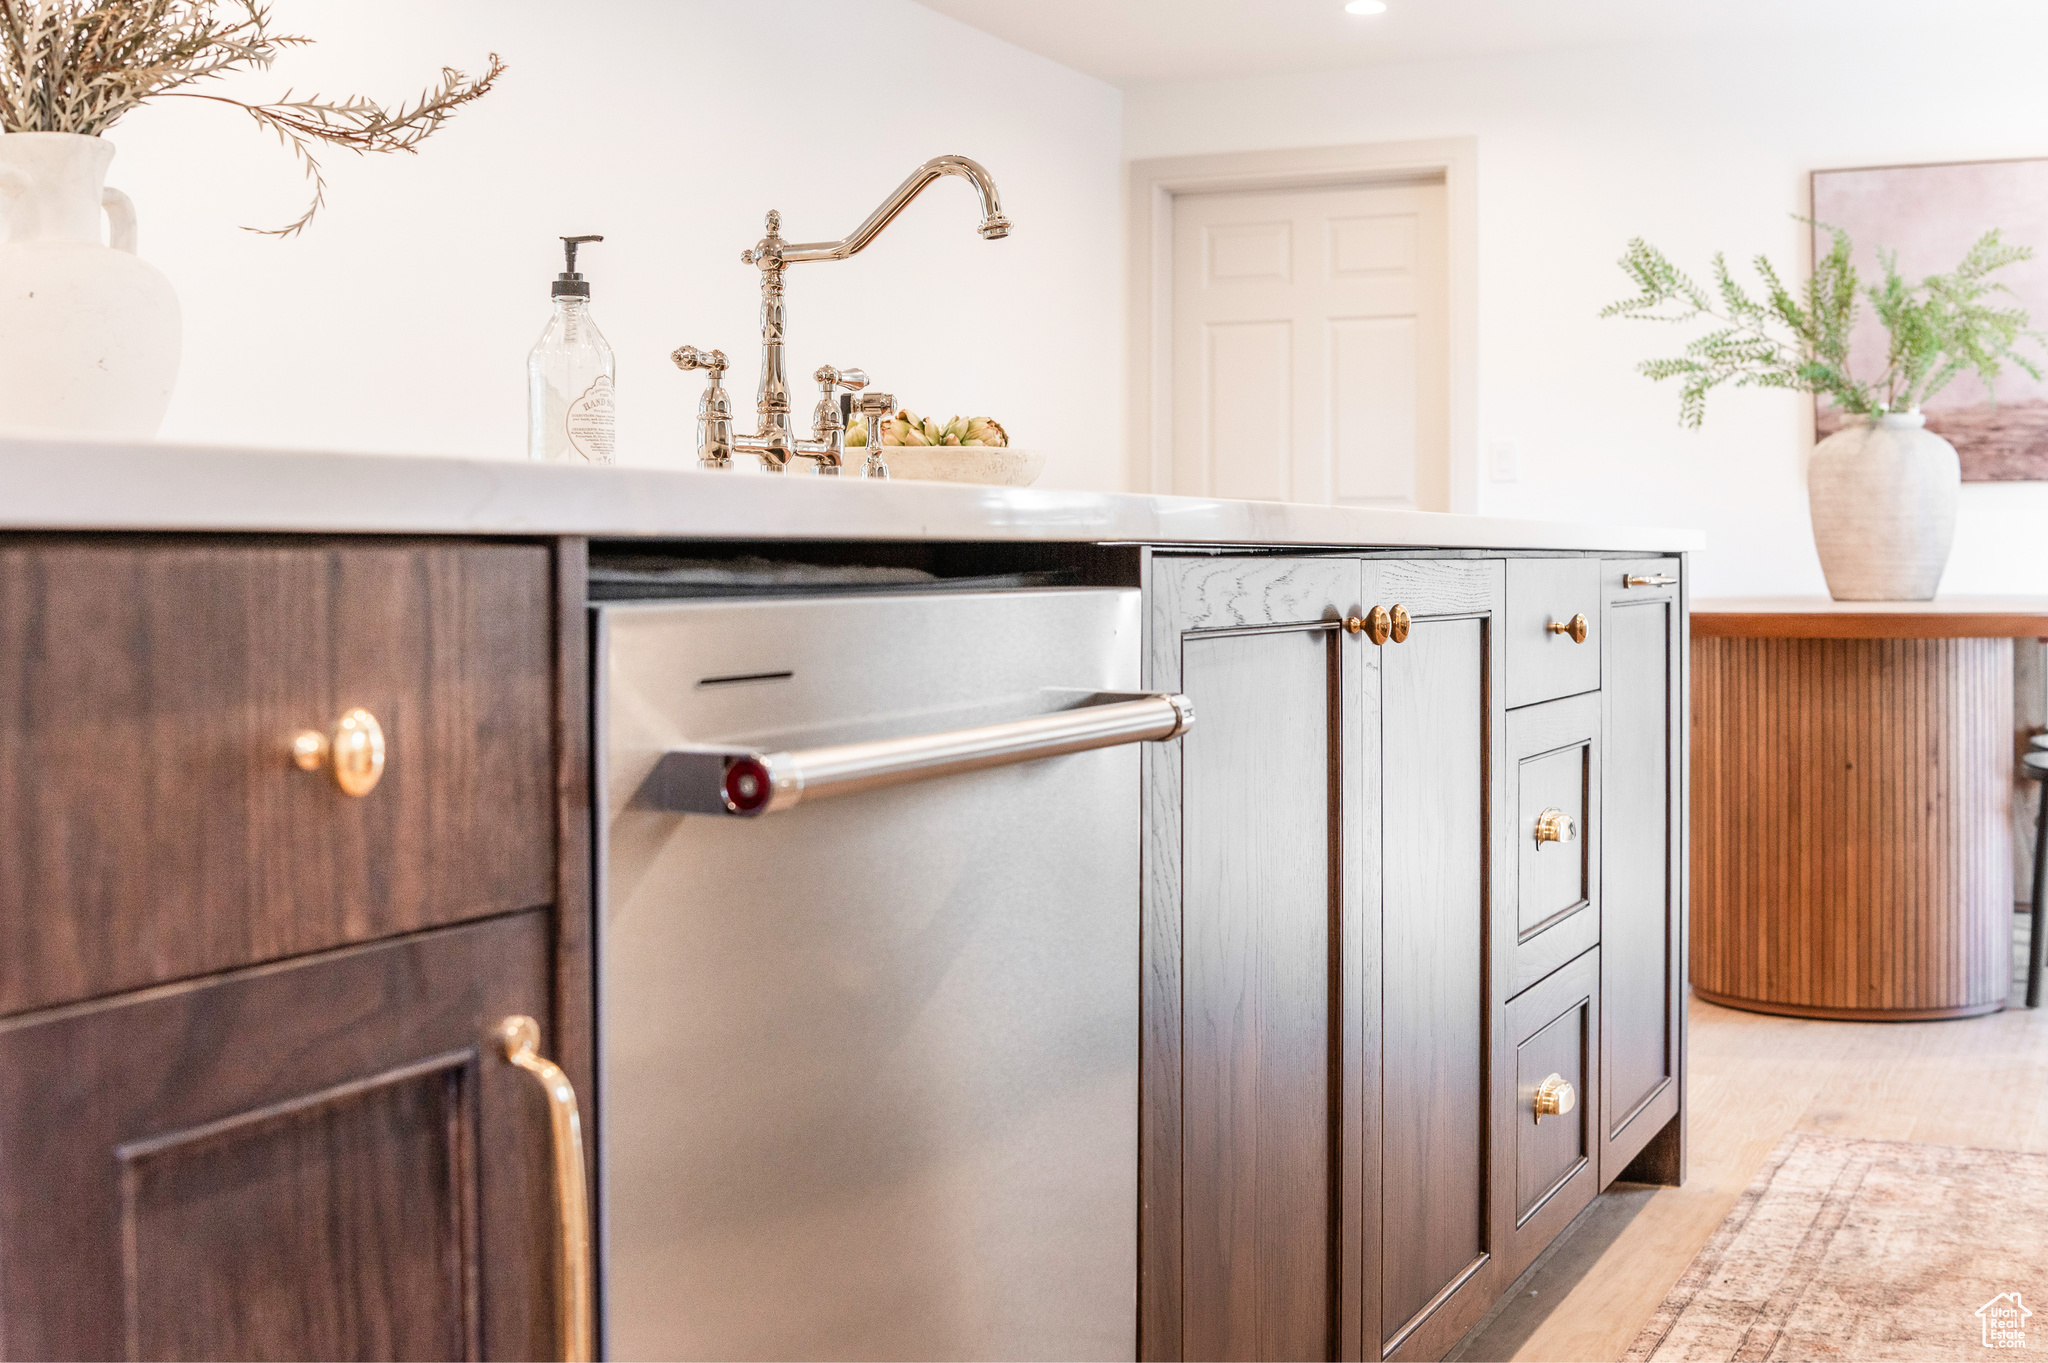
<point>998,465</point>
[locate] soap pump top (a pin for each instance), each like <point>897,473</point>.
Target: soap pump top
<point>569,284</point>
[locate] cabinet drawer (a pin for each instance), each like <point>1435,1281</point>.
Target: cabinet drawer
<point>1554,759</point>
<point>152,822</point>
<point>1555,1028</point>
<point>1543,663</point>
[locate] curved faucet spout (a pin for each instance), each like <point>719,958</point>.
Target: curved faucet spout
<point>993,223</point>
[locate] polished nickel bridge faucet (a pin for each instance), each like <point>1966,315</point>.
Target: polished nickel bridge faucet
<point>776,443</point>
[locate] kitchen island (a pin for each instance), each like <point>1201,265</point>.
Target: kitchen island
<point>1411,901</point>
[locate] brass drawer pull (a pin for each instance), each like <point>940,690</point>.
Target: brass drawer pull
<point>1554,825</point>
<point>1554,1097</point>
<point>521,1036</point>
<point>1654,580</point>
<point>356,751</point>
<point>1380,624</point>
<point>1576,627</point>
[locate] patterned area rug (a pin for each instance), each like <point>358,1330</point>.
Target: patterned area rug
<point>1852,1249</point>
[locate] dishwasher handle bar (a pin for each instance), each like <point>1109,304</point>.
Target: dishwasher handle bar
<point>744,782</point>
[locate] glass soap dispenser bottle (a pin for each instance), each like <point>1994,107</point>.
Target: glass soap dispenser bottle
<point>569,374</point>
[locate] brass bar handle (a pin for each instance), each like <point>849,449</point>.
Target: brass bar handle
<point>1576,627</point>
<point>520,1036</point>
<point>1554,1097</point>
<point>356,751</point>
<point>1653,580</point>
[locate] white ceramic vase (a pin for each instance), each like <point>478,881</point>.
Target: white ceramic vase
<point>88,332</point>
<point>1883,498</point>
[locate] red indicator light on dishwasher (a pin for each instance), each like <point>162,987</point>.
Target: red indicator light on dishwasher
<point>746,786</point>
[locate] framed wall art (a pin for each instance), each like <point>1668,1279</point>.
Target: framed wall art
<point>1930,215</point>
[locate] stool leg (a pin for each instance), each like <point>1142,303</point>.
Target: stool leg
<point>2036,947</point>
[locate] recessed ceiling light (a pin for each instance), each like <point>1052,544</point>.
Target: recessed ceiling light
<point>1366,7</point>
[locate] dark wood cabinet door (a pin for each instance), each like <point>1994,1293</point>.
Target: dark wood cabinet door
<point>1642,934</point>
<point>321,1159</point>
<point>152,824</point>
<point>1445,1176</point>
<point>1251,1138</point>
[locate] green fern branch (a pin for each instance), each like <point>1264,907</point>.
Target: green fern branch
<point>1939,329</point>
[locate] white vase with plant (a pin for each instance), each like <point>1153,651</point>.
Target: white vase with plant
<point>1882,490</point>
<point>90,333</point>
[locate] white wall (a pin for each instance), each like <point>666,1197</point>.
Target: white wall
<point>1699,148</point>
<point>400,321</point>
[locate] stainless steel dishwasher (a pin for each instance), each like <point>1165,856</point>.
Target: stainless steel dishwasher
<point>868,974</point>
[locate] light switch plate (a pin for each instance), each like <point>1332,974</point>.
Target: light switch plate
<point>1504,461</point>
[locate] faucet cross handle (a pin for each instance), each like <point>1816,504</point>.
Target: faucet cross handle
<point>828,377</point>
<point>714,409</point>
<point>828,423</point>
<point>689,357</point>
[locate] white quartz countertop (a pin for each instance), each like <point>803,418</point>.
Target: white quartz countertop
<point>64,484</point>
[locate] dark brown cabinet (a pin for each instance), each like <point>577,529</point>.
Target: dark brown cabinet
<point>1366,972</point>
<point>151,823</point>
<point>1431,768</point>
<point>1322,1142</point>
<point>251,1105</point>
<point>1555,1031</point>
<point>1251,1058</point>
<point>251,1099</point>
<point>1556,819</point>
<point>319,1160</point>
<point>1642,933</point>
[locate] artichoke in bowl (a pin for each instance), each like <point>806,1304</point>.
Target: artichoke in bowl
<point>908,429</point>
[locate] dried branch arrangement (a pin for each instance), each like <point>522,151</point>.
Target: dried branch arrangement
<point>76,66</point>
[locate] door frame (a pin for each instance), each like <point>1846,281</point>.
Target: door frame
<point>1155,183</point>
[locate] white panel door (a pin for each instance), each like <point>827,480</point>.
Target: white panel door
<point>1310,346</point>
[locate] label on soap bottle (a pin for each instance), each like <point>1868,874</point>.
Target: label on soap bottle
<point>590,422</point>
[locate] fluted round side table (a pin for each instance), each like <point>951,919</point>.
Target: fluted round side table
<point>1852,777</point>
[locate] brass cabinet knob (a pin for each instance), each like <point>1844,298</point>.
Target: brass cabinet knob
<point>355,752</point>
<point>1376,624</point>
<point>1380,624</point>
<point>1554,1097</point>
<point>1554,825</point>
<point>1576,627</point>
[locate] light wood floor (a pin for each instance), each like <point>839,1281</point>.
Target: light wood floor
<point>1978,1081</point>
